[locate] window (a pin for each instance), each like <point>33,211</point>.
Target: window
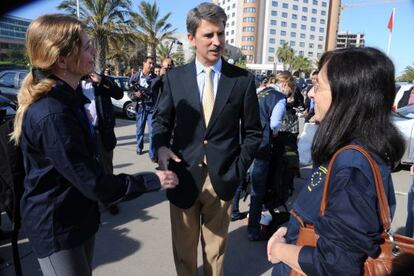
<point>248,29</point>
<point>303,27</point>
<point>304,18</point>
<point>310,53</point>
<point>272,31</point>
<point>233,14</point>
<point>313,20</point>
<point>249,57</point>
<point>312,28</point>
<point>273,22</point>
<point>249,1</point>
<point>324,4</point>
<point>321,30</point>
<point>302,44</point>
<point>271,50</point>
<point>320,38</point>
<point>274,3</point>
<point>232,32</point>
<point>320,46</point>
<point>232,40</point>
<point>311,45</point>
<point>272,41</point>
<point>285,5</point>
<point>249,19</point>
<point>271,59</point>
<point>282,41</point>
<point>312,37</point>
<point>284,14</point>
<point>249,10</point>
<point>234,5</point>
<point>283,24</point>
<point>305,1</point>
<point>227,33</point>
<point>322,21</point>
<point>247,47</point>
<point>323,12</point>
<point>232,23</point>
<point>302,35</point>
<point>293,25</point>
<point>294,16</point>
<point>292,34</point>
<point>7,80</point>
<point>292,43</point>
<point>247,38</point>
<point>315,2</point>
<point>314,11</point>
<point>295,7</point>
<point>304,9</point>
<point>274,13</point>
<point>283,33</point>
<point>301,53</point>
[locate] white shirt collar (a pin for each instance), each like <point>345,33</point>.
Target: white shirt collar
<point>216,67</point>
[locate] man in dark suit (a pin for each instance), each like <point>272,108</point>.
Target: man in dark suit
<point>207,129</point>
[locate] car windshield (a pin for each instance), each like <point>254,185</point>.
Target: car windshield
<point>122,82</point>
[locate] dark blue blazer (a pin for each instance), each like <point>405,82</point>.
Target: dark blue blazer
<point>229,141</point>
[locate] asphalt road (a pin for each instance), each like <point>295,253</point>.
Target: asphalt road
<point>137,241</point>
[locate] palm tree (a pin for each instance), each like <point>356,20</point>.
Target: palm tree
<point>104,19</point>
<point>152,30</point>
<point>285,54</point>
<point>407,75</point>
<point>162,52</point>
<point>300,63</point>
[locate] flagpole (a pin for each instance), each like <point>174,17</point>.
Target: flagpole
<point>77,8</point>
<point>390,34</point>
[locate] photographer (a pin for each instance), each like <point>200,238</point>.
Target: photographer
<point>145,96</point>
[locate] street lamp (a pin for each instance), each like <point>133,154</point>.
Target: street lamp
<point>176,41</point>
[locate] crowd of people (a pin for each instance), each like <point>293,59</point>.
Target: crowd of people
<point>209,127</point>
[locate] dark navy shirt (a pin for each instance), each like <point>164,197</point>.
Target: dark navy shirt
<point>64,179</point>
<point>350,230</point>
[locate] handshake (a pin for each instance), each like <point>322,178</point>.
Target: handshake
<point>167,178</point>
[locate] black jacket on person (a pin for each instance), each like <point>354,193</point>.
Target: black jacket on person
<point>64,179</point>
<point>106,90</point>
<point>148,100</point>
<point>179,124</point>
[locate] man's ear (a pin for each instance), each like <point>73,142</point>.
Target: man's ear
<point>191,39</point>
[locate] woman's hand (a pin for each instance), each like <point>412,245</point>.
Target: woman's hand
<point>278,237</point>
<point>168,179</point>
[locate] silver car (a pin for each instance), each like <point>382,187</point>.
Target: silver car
<point>124,105</point>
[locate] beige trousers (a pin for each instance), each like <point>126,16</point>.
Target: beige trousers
<point>208,220</point>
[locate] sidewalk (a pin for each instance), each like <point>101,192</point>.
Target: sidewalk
<point>137,241</point>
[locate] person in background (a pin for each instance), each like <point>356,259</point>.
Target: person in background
<point>272,107</point>
<point>99,89</point>
<point>157,70</point>
<point>353,100</point>
<point>64,176</point>
<point>166,64</point>
<point>309,101</point>
<point>145,105</point>
<point>206,129</point>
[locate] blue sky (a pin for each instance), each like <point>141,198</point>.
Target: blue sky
<point>367,16</point>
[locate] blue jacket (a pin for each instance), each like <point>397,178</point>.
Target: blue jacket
<point>350,230</point>
<point>268,98</point>
<point>64,179</point>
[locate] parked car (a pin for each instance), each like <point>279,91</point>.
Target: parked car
<point>401,88</point>
<point>7,109</point>
<point>124,105</point>
<point>403,118</point>
<point>11,81</point>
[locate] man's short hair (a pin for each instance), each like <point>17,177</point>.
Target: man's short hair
<point>315,72</point>
<point>147,58</point>
<point>207,11</point>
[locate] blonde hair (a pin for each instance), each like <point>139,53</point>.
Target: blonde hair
<point>48,37</point>
<point>287,77</point>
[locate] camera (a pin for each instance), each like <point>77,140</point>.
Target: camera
<point>146,93</point>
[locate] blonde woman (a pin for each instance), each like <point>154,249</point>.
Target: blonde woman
<point>64,179</point>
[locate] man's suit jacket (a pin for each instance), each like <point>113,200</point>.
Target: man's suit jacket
<point>229,142</point>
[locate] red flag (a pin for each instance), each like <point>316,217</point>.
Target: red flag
<point>391,21</point>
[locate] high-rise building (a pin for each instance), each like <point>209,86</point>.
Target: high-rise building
<point>260,27</point>
<point>12,33</point>
<point>345,40</point>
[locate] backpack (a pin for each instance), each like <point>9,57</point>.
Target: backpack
<point>279,186</point>
<point>11,185</point>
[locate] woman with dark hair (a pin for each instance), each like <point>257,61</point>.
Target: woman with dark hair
<point>65,178</point>
<point>353,100</point>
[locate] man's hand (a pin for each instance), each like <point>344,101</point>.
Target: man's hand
<point>278,237</point>
<point>168,179</point>
<point>164,155</point>
<point>138,94</point>
<point>95,78</point>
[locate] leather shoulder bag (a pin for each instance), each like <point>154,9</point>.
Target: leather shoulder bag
<point>393,247</point>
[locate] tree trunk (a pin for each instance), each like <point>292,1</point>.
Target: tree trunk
<point>100,60</point>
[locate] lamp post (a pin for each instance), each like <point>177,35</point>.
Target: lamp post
<point>176,41</point>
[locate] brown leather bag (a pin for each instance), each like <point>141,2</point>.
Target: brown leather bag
<point>394,246</point>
